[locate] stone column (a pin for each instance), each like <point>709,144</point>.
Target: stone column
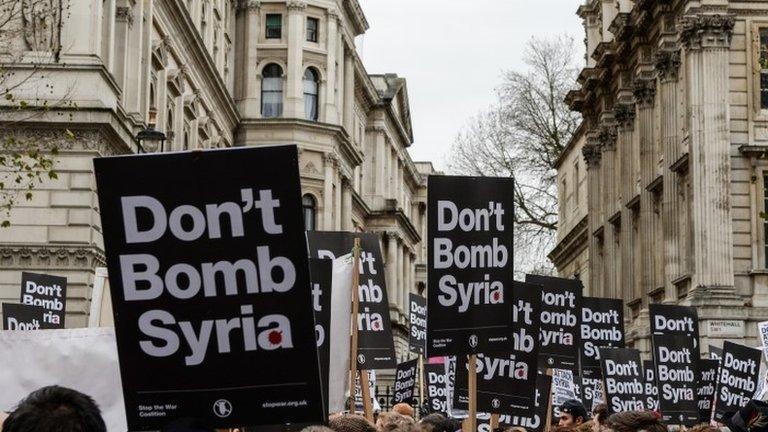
<point>134,69</point>
<point>331,108</point>
<point>406,288</point>
<point>592,157</point>
<point>330,162</point>
<point>294,89</point>
<point>399,276</point>
<point>394,299</point>
<point>337,213</point>
<point>380,166</point>
<point>667,65</point>
<point>346,206</point>
<point>607,139</point>
<point>707,39</point>
<point>123,24</point>
<point>645,94</point>
<point>349,89</point>
<point>625,117</point>
<point>247,84</point>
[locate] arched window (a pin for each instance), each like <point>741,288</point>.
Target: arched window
<point>310,209</point>
<point>272,91</point>
<point>310,94</point>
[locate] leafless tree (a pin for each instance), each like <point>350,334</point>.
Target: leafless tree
<point>29,40</point>
<point>522,135</point>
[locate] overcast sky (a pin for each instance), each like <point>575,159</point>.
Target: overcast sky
<point>452,52</point>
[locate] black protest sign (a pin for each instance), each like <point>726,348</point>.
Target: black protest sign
<point>676,378</point>
<point>602,325</point>
<point>536,420</point>
<point>706,393</point>
<point>470,241</point>
<point>321,274</point>
<point>623,378</point>
<point>509,382</point>
<point>209,276</point>
<point>676,320</point>
<point>715,353</point>
<point>25,317</point>
<point>405,381</point>
<point>435,380</point>
<point>417,335</point>
<point>560,328</point>
<point>651,390</point>
<point>376,348</point>
<point>48,292</point>
<point>737,380</point>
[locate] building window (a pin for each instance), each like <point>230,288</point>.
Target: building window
<point>313,25</point>
<point>310,94</point>
<point>764,68</point>
<point>274,26</point>
<point>272,91</point>
<point>309,206</point>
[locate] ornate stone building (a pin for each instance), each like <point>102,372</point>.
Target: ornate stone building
<point>214,73</point>
<point>663,187</point>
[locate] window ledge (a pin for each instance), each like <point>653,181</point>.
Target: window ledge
<point>758,272</point>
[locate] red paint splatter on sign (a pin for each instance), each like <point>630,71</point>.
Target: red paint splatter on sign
<point>275,337</point>
<point>375,325</point>
<point>496,296</point>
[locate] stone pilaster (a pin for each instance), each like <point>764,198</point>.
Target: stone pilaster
<point>592,156</point>
<point>247,81</point>
<point>391,264</point>
<point>607,137</point>
<point>707,39</point>
<point>667,66</point>
<point>645,94</point>
<point>294,91</point>
<point>332,35</point>
<point>625,117</point>
<point>330,167</point>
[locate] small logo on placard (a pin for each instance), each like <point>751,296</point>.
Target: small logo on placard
<point>495,403</point>
<point>551,361</point>
<point>222,408</point>
<point>361,358</point>
<point>473,341</point>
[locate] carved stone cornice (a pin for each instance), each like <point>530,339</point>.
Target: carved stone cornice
<point>592,155</point>
<point>124,14</point>
<point>645,92</point>
<point>297,5</point>
<point>704,31</point>
<point>667,64</point>
<point>607,137</point>
<point>248,5</point>
<point>625,115</point>
<point>331,159</point>
<point>49,256</point>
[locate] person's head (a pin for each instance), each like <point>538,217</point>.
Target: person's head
<point>433,423</point>
<point>599,415</point>
<point>633,421</point>
<point>572,413</point>
<point>403,408</point>
<point>55,408</point>
<point>586,426</point>
<point>316,428</point>
<point>350,423</point>
<point>394,422</point>
<point>703,427</point>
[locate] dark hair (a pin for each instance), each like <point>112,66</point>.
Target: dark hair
<point>350,423</point>
<point>632,421</point>
<point>434,422</point>
<point>55,408</point>
<point>600,413</point>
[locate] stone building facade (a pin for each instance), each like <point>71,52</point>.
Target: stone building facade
<point>213,74</point>
<point>663,187</point>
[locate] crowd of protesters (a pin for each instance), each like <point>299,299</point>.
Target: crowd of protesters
<point>59,409</point>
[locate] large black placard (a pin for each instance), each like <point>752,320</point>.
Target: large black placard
<point>602,325</point>
<point>376,348</point>
<point>676,372</point>
<point>435,380</point>
<point>560,321</point>
<point>651,390</point>
<point>48,292</point>
<point>25,317</point>
<point>623,378</point>
<point>737,381</point>
<point>405,381</point>
<point>536,420</point>
<point>508,383</point>
<point>707,383</point>
<point>321,274</point>
<point>470,241</point>
<point>676,320</point>
<point>210,287</point>
<point>417,331</point>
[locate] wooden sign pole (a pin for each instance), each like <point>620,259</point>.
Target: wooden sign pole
<point>422,396</point>
<point>472,381</point>
<point>353,317</point>
<point>494,422</point>
<point>365,386</point>
<point>548,424</point>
